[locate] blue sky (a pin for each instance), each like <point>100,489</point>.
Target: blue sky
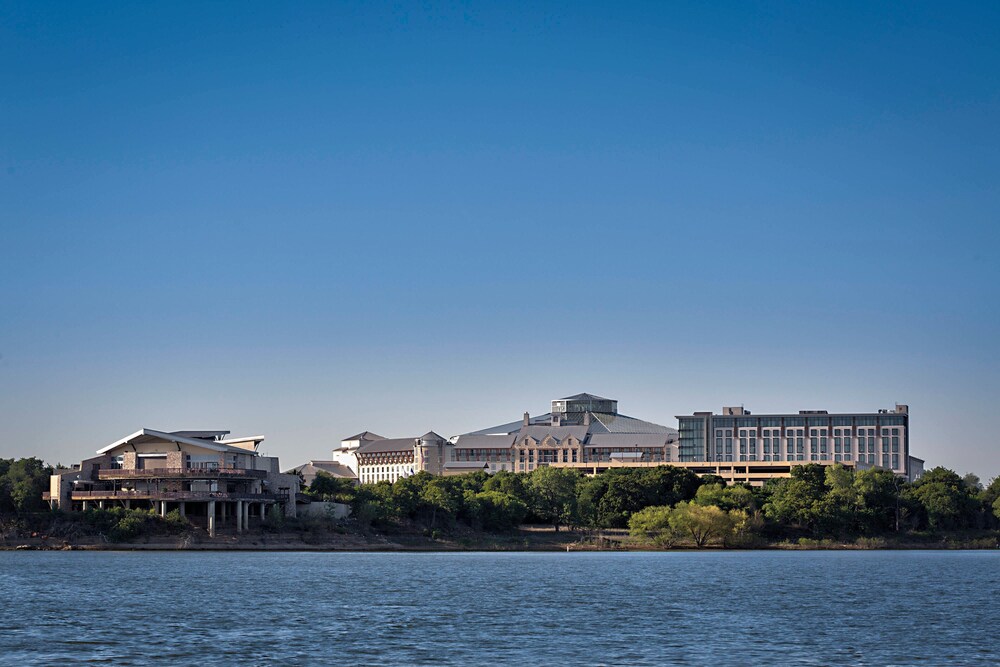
<point>306,221</point>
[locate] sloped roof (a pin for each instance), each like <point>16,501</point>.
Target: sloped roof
<point>625,424</point>
<point>560,433</point>
<point>211,435</point>
<point>431,435</point>
<point>387,445</point>
<point>513,427</point>
<point>334,468</point>
<point>364,435</point>
<point>585,397</point>
<point>152,435</point>
<point>486,441</point>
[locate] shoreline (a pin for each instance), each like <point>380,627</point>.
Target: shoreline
<point>290,545</point>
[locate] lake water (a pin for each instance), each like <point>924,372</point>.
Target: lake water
<point>694,608</point>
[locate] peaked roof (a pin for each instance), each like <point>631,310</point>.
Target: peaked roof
<point>147,434</point>
<point>388,445</point>
<point>583,397</point>
<point>364,435</point>
<point>431,435</point>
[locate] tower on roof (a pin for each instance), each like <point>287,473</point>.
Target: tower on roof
<point>580,403</point>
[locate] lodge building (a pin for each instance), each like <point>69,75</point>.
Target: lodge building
<point>207,477</point>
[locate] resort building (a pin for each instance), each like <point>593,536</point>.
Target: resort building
<point>370,458</point>
<point>863,439</point>
<point>580,429</point>
<point>588,433</point>
<point>203,474</point>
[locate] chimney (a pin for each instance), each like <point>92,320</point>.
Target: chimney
<point>586,418</point>
<point>556,419</point>
<point>527,419</point>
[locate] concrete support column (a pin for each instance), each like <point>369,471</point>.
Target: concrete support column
<point>100,503</point>
<point>128,503</point>
<point>163,508</point>
<point>86,505</point>
<point>239,516</point>
<point>246,515</point>
<point>211,518</point>
<point>182,509</point>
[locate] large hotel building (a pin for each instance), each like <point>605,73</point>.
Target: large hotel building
<point>588,433</point>
<point>862,439</point>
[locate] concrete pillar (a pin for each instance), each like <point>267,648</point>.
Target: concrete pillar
<point>100,503</point>
<point>246,515</point>
<point>211,518</point>
<point>239,516</point>
<point>163,508</point>
<point>86,504</point>
<point>182,509</point>
<point>128,503</point>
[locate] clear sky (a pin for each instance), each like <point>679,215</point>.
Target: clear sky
<point>306,221</point>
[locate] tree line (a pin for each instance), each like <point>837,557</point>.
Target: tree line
<point>666,504</point>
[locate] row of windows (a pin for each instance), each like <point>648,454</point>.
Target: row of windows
<point>871,459</point>
<point>728,433</point>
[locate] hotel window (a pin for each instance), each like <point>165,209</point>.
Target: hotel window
<point>800,445</point>
<point>895,443</point>
<point>718,445</point>
<point>885,444</point>
<point>895,460</point>
<point>813,445</point>
<point>729,446</point>
<point>885,460</point>
<point>837,448</point>
<point>836,457</point>
<point>847,442</point>
<point>743,448</point>
<point>823,443</point>
<point>871,444</point>
<point>753,444</point>
<point>767,443</point>
<point>895,431</point>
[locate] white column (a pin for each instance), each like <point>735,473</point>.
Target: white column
<point>211,518</point>
<point>163,508</point>
<point>182,509</point>
<point>239,516</point>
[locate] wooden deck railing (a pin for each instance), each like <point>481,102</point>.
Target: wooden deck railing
<point>177,495</point>
<point>179,473</point>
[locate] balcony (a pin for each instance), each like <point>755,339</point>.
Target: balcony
<point>179,473</point>
<point>111,494</point>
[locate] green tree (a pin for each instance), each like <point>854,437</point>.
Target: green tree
<point>971,480</point>
<point>703,523</point>
<point>945,500</point>
<point>877,493</point>
<point>653,524</point>
<point>334,489</point>
<point>439,497</point>
<point>22,482</point>
<point>553,495</point>
<point>495,511</point>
